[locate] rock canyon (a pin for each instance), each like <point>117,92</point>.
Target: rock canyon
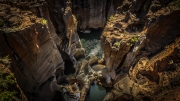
<point>140,43</point>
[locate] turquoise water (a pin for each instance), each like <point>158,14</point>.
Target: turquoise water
<point>96,93</point>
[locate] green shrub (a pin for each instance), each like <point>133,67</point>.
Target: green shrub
<point>5,60</point>
<point>177,3</point>
<point>43,21</point>
<point>7,81</point>
<point>111,18</point>
<point>134,39</point>
<point>117,44</point>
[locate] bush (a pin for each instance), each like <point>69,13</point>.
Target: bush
<point>43,21</point>
<point>177,3</point>
<point>5,60</point>
<point>117,44</point>
<point>111,18</point>
<point>134,39</point>
<point>7,81</point>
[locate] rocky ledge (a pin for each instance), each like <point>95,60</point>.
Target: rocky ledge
<point>141,50</point>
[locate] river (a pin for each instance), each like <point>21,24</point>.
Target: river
<point>96,93</point>
<point>91,42</point>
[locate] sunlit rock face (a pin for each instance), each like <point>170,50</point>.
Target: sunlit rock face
<point>141,47</point>
<point>34,55</point>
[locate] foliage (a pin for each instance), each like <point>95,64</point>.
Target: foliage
<point>177,3</point>
<point>7,80</point>
<point>117,44</point>
<point>7,95</point>
<point>111,18</point>
<point>5,59</point>
<point>43,21</point>
<point>134,39</point>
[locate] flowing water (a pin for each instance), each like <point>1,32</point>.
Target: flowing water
<point>96,93</point>
<point>91,42</point>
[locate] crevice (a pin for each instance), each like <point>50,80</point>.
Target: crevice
<point>120,68</point>
<point>108,5</point>
<point>69,69</point>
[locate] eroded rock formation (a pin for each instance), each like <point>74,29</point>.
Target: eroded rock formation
<point>141,43</point>
<point>33,51</point>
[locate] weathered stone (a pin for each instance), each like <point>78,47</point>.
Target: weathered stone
<point>33,52</point>
<point>93,60</point>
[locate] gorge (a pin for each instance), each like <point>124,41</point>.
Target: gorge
<point>132,50</point>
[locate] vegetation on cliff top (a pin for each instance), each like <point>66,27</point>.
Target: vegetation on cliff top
<point>7,80</point>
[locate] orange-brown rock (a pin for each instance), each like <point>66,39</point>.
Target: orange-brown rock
<point>141,43</point>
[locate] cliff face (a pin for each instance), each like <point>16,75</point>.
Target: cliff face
<point>89,13</point>
<point>34,54</point>
<point>141,43</point>
<point>38,55</point>
<point>93,13</point>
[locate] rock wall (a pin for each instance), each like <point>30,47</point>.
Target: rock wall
<point>30,43</point>
<point>37,52</point>
<point>93,13</point>
<point>141,43</point>
<point>90,14</point>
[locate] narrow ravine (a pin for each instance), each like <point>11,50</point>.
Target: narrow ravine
<point>91,43</point>
<point>98,50</point>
